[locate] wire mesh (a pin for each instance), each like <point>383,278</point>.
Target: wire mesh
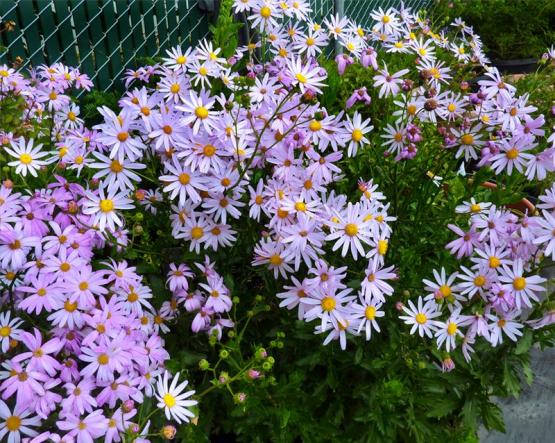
<point>105,37</point>
<point>102,37</point>
<point>359,10</point>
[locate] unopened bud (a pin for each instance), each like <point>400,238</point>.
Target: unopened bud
<point>204,365</point>
<point>128,406</point>
<point>240,397</point>
<point>169,432</point>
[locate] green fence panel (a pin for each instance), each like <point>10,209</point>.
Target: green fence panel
<point>64,29</point>
<point>105,37</point>
<point>102,37</point>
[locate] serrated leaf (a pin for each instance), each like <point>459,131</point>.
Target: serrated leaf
<point>493,417</point>
<point>441,407</point>
<point>510,379</point>
<point>525,342</point>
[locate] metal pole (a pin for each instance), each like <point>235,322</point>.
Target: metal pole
<point>339,11</point>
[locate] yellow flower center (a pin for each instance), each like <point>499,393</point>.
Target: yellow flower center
<point>181,60</point>
<point>276,260</point>
<point>411,109</point>
<point>467,139</point>
<point>265,12</point>
<point>301,78</point>
<point>13,423</point>
<point>300,206</point>
<point>41,292</point>
<point>106,205</point>
<point>494,262</point>
<point>175,88</point>
<point>197,232</point>
<point>445,290</point>
<point>83,286</point>
<point>209,150</point>
<point>328,304</point>
<point>315,125</point>
<point>501,323</point>
<point>25,158</point>
<point>386,19</point>
<point>351,229</point>
<point>116,167</point>
<point>5,331</point>
<point>169,400</point>
<point>123,136</point>
<point>203,71</point>
<point>52,96</point>
<point>474,208</point>
<point>451,328</point>
<point>184,178</point>
<point>370,312</point>
<point>512,153</point>
<point>201,112</point>
<point>71,116</point>
<point>356,135</point>
<point>103,359</point>
<point>421,318</point>
<point>310,41</point>
<point>451,107</point>
<point>479,281</point>
<point>382,247</point>
<point>69,306</point>
<point>519,283</point>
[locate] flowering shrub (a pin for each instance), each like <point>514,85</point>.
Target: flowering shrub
<point>364,193</point>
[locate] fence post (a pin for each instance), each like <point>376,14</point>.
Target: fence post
<point>339,11</point>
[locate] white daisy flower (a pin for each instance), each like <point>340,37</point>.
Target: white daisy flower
<point>172,399</point>
<point>103,206</point>
<point>28,157</point>
<point>421,317</point>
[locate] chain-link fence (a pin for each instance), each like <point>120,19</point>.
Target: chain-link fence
<point>102,37</point>
<point>105,37</point>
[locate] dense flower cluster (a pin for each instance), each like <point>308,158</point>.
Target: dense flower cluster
<point>80,338</point>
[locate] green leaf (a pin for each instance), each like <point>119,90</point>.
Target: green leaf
<point>441,406</point>
<point>525,343</point>
<point>493,417</point>
<point>470,413</point>
<point>510,379</point>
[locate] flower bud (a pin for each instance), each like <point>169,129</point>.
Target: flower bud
<point>240,397</point>
<point>261,353</point>
<point>223,378</point>
<point>8,184</point>
<point>224,353</point>
<point>169,432</point>
<point>128,406</point>
<point>253,374</point>
<point>204,365</point>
